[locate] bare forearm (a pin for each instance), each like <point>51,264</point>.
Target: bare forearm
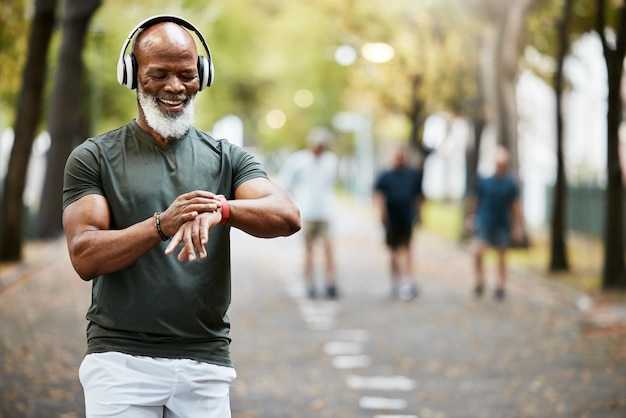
<point>268,217</point>
<point>517,213</point>
<point>97,252</point>
<point>379,204</point>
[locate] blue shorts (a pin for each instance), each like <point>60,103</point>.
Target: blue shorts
<point>495,237</point>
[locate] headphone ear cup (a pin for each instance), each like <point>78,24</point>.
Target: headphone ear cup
<point>121,71</point>
<point>131,71</point>
<point>127,71</point>
<point>205,72</point>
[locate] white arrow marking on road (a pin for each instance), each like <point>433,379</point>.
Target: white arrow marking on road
<point>319,316</point>
<point>351,362</point>
<point>373,402</point>
<point>380,382</point>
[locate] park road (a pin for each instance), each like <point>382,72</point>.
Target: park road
<point>445,354</point>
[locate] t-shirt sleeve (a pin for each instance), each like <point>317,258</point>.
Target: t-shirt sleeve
<point>245,167</point>
<point>82,173</point>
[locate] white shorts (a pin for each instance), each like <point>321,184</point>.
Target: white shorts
<point>122,385</point>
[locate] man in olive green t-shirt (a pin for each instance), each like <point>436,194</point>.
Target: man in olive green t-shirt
<point>158,332</point>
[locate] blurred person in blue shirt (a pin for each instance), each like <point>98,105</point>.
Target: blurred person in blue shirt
<point>495,220</point>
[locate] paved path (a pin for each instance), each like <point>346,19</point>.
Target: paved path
<point>444,354</point>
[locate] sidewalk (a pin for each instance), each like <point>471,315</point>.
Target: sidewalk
<point>444,354</point>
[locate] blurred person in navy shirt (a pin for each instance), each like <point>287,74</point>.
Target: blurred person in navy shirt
<point>398,197</point>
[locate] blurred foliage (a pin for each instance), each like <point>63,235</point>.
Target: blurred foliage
<point>263,51</point>
<point>266,50</point>
<point>542,32</point>
<point>13,39</point>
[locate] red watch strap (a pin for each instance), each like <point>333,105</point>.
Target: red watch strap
<point>225,210</point>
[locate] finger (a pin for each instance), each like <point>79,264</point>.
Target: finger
<point>202,237</point>
<point>198,193</point>
<point>196,232</point>
<point>204,230</point>
<point>183,255</point>
<point>202,252</point>
<point>189,216</point>
<point>174,241</point>
<point>205,206</point>
<point>188,242</point>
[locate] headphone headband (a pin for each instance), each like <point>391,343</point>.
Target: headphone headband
<point>126,66</point>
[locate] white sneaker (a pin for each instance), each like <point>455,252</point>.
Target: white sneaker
<point>408,291</point>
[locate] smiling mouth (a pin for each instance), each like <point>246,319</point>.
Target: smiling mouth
<point>170,102</point>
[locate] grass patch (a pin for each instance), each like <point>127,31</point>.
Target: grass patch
<point>444,219</point>
<point>585,253</point>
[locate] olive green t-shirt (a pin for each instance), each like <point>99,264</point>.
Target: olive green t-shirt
<point>160,307</point>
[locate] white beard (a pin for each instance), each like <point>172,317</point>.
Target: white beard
<point>168,125</point>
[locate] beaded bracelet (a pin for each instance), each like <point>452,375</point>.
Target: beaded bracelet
<point>157,226</point>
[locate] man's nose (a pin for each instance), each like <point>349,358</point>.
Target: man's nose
<point>175,85</point>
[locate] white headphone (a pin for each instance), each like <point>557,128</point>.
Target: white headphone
<point>127,63</point>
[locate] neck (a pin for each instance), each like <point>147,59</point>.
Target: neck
<point>162,141</point>
<point>158,138</point>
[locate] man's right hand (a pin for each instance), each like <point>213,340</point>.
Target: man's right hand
<point>186,208</point>
<point>194,235</point>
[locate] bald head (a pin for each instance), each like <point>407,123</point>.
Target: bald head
<point>502,160</point>
<point>400,156</point>
<point>165,39</point>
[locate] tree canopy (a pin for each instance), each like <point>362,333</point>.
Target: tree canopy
<point>13,39</point>
<point>266,52</point>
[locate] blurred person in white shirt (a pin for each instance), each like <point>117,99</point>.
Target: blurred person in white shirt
<point>310,175</point>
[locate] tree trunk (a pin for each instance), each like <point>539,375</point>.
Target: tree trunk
<point>27,120</point>
<point>509,29</point>
<point>614,270</point>
<point>65,122</point>
<point>558,250</point>
<point>417,118</point>
<point>478,123</point>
